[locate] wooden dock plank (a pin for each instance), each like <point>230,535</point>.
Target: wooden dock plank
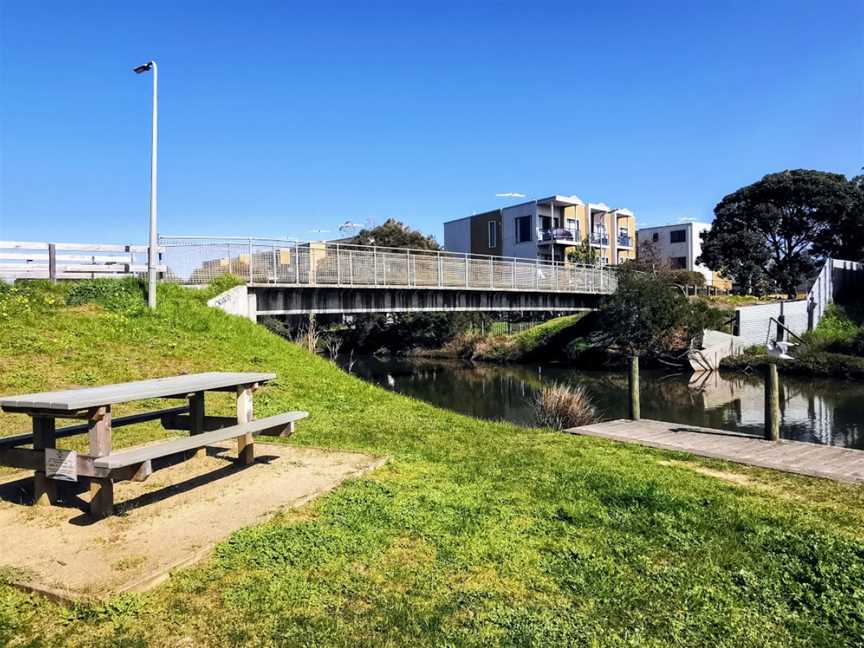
<point>839,464</point>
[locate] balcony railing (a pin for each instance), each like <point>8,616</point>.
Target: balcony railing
<point>194,260</point>
<point>624,240</point>
<point>599,238</point>
<point>558,234</point>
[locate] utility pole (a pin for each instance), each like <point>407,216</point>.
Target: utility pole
<point>152,253</point>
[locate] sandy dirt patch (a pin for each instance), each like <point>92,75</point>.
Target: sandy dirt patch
<point>171,520</point>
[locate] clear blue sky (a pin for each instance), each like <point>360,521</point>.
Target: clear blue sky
<point>279,118</point>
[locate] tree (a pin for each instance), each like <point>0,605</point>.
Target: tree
<point>648,257</point>
<point>849,243</point>
<point>395,234</point>
<point>648,317</point>
<point>772,232</point>
<point>400,331</point>
<point>583,253</point>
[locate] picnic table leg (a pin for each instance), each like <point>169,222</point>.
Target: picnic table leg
<point>101,488</point>
<point>245,443</point>
<point>44,489</point>
<point>196,418</point>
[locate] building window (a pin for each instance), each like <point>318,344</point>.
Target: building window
<point>655,237</point>
<point>523,229</point>
<point>493,235</point>
<point>677,236</point>
<point>678,263</point>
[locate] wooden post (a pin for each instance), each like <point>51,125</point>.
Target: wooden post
<point>52,262</point>
<point>196,418</point>
<point>44,489</point>
<point>101,489</point>
<point>245,443</point>
<point>772,403</point>
<point>635,413</point>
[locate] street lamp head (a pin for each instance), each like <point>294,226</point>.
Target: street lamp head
<point>141,69</point>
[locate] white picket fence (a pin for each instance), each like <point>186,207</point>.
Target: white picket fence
<point>43,260</point>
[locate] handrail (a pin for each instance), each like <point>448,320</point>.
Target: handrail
<point>785,328</point>
<point>261,261</point>
<point>165,241</point>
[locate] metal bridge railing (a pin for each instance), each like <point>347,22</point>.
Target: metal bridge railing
<point>193,260</point>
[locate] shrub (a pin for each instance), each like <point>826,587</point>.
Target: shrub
<point>119,295</point>
<point>561,407</point>
<point>839,331</point>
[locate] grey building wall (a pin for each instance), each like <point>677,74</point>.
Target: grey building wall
<point>510,247</point>
<point>457,235</point>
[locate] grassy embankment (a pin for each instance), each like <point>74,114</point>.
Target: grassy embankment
<point>475,533</point>
<point>835,348</point>
<point>546,341</point>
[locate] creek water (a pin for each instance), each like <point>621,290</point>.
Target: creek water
<point>825,411</point>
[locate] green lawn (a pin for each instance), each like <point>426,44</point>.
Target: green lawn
<point>475,533</point>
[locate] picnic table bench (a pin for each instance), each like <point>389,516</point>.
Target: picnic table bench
<point>102,466</point>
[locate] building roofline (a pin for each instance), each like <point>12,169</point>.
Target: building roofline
<point>648,227</point>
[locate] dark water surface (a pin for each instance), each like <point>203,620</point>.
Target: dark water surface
<point>823,411</point>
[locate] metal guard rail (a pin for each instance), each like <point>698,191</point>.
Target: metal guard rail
<point>198,260</point>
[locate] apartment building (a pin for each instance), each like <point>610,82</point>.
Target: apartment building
<point>679,246</point>
<point>546,229</point>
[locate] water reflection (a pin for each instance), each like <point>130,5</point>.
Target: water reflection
<point>819,411</point>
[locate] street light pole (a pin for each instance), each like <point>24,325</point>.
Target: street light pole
<point>152,253</point>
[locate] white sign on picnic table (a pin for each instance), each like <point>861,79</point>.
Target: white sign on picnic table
<point>61,464</point>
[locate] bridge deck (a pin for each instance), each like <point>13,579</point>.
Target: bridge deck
<point>838,464</point>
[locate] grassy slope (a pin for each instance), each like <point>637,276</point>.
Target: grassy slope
<point>528,344</point>
<point>475,533</point>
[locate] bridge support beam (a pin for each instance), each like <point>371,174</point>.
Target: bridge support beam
<point>292,300</point>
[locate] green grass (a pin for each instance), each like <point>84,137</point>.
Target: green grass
<point>529,344</point>
<point>475,533</point>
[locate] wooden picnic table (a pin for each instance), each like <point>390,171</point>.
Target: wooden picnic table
<point>102,466</point>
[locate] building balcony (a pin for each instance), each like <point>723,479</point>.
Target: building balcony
<point>624,240</point>
<point>600,239</point>
<point>564,235</point>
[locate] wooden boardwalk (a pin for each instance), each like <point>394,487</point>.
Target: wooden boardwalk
<point>839,464</point>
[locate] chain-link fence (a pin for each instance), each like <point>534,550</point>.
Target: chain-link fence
<point>192,260</point>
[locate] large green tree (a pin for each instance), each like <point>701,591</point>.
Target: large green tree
<point>647,317</point>
<point>393,233</point>
<point>401,331</point>
<point>772,233</point>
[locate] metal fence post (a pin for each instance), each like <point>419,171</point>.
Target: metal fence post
<point>466,270</point>
<point>491,273</point>
<point>250,260</point>
<point>440,270</point>
<point>297,263</point>
<point>275,267</point>
<point>537,273</point>
<point>338,267</point>
<point>513,264</point>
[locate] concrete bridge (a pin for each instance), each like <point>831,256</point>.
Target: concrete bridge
<point>298,278</point>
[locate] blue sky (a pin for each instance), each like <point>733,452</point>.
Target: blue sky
<point>280,118</point>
